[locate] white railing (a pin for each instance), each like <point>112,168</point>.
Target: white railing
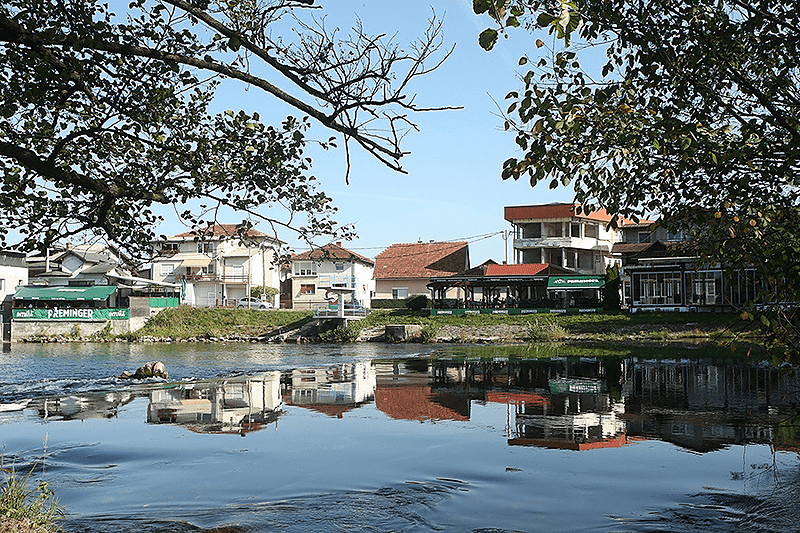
<point>332,311</point>
<point>344,281</point>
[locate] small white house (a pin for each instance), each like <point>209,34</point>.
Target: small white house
<point>322,275</point>
<point>217,267</point>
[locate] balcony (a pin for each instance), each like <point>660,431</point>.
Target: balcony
<point>338,281</point>
<point>213,278</point>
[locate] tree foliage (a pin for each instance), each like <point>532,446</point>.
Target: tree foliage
<point>105,112</point>
<point>690,118</point>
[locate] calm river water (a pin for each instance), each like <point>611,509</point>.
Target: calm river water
<point>297,438</point>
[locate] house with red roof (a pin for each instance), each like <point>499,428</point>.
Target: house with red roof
<point>325,275</point>
<point>565,235</point>
<point>405,269</point>
<point>217,265</point>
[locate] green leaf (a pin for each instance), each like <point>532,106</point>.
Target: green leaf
<point>488,38</point>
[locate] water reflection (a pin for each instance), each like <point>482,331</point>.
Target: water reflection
<point>577,404</point>
<point>332,390</point>
<point>235,405</point>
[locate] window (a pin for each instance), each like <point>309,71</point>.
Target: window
<point>2,284</point>
<point>305,268</point>
<point>167,269</point>
<point>643,236</point>
<point>553,229</point>
<point>308,288</point>
<point>204,248</point>
<point>339,266</point>
<point>399,293</point>
<point>575,229</point>
<point>591,231</point>
<point>169,248</point>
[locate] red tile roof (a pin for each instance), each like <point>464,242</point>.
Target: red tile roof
<point>549,211</point>
<point>218,230</point>
<point>530,269</point>
<point>422,260</point>
<point>331,252</point>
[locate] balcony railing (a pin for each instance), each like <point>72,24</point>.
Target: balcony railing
<point>332,311</point>
<point>344,281</point>
<point>214,278</point>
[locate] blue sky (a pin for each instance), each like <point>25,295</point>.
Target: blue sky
<point>453,189</point>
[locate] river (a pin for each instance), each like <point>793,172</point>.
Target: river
<point>410,438</point>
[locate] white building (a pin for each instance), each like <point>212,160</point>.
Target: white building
<point>321,274</point>
<point>557,234</point>
<point>13,273</point>
<point>217,266</point>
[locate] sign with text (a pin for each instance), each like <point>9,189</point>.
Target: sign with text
<point>71,313</point>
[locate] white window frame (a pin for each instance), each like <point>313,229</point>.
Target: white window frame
<point>167,269</point>
<point>397,291</point>
<point>305,268</point>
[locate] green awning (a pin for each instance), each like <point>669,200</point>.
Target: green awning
<point>97,292</point>
<point>574,283</point>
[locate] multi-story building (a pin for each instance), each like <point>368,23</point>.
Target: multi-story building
<point>218,266</point>
<point>322,275</point>
<point>557,234</point>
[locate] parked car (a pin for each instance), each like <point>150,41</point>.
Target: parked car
<point>253,303</point>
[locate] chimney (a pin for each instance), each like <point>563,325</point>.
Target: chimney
<point>338,243</point>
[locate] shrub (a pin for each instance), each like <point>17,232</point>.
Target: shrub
<point>387,303</point>
<point>429,332</point>
<point>542,329</point>
<point>417,303</point>
<point>341,333</point>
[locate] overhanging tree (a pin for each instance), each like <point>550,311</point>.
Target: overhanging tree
<point>104,112</point>
<point>691,118</point>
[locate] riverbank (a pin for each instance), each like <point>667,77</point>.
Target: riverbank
<point>187,324</point>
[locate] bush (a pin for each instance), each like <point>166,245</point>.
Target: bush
<point>341,334</point>
<point>387,303</point>
<point>429,332</point>
<point>542,329</point>
<point>417,303</point>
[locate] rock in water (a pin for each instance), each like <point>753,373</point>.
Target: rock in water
<point>153,369</point>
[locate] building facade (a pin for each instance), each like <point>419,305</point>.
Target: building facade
<point>217,267</point>
<point>319,277</point>
<point>557,234</point>
<point>404,270</point>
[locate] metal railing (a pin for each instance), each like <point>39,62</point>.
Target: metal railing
<point>332,311</point>
<point>344,281</point>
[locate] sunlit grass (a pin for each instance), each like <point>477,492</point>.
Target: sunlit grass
<point>27,509</point>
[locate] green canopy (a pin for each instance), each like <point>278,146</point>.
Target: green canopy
<point>574,283</point>
<point>96,292</point>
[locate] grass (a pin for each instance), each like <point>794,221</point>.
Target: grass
<point>183,323</point>
<point>24,509</point>
<point>186,322</point>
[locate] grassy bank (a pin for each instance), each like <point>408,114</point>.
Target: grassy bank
<point>185,323</point>
<point>193,322</point>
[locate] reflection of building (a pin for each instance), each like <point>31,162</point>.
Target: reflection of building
<point>704,405</point>
<point>82,407</point>
<point>570,421</point>
<point>333,390</point>
<point>237,404</point>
